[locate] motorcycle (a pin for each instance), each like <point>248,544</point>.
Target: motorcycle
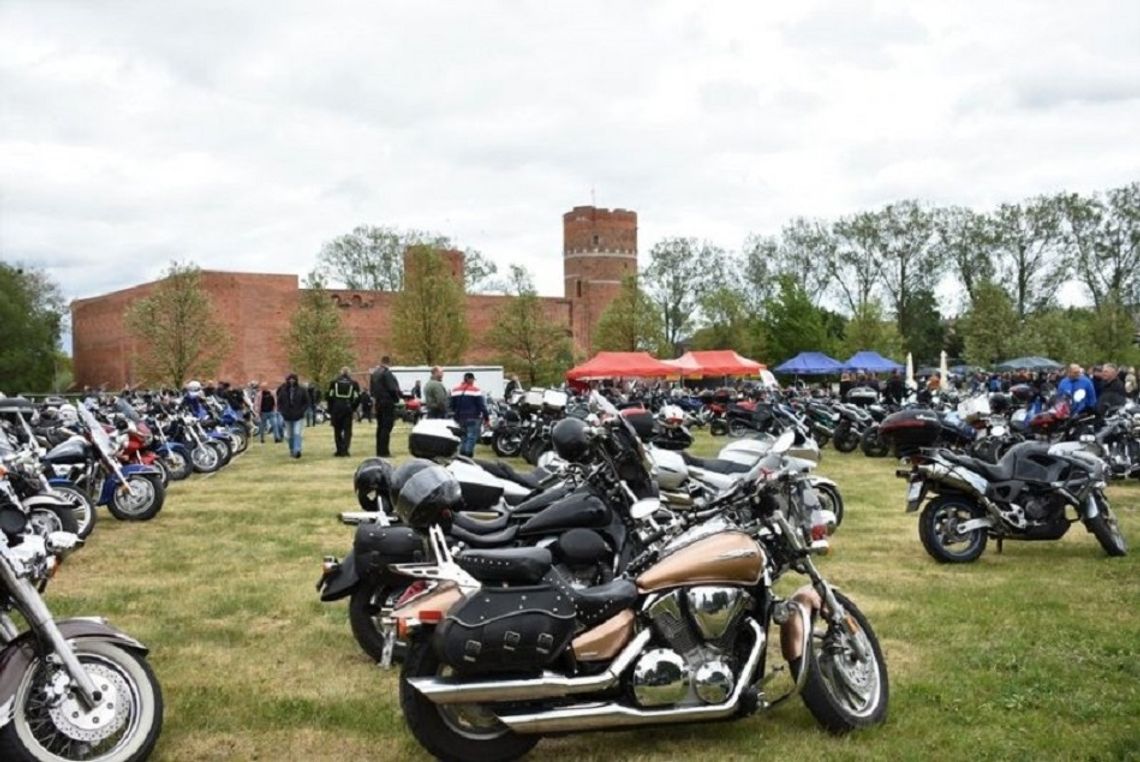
<point>1024,496</point>
<point>72,689</point>
<point>502,651</point>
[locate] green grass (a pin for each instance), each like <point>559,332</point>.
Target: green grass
<point>1031,654</point>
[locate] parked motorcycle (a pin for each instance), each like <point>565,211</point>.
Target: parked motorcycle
<point>503,651</point>
<point>73,689</point>
<point>1024,496</point>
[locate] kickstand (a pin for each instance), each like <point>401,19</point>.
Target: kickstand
<point>999,542</point>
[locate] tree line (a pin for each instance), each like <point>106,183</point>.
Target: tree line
<point>868,281</point>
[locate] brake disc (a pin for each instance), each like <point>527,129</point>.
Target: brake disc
<point>74,719</point>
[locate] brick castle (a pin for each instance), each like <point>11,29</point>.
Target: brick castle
<point>599,249</point>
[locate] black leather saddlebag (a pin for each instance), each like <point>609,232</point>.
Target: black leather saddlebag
<point>511,629</point>
<point>377,546</point>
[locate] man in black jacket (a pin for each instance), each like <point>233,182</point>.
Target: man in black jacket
<point>292,402</point>
<point>1112,393</point>
<point>385,390</point>
<point>343,397</point>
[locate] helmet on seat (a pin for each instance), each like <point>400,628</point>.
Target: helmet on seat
<point>571,439</point>
<point>372,484</point>
<point>427,497</point>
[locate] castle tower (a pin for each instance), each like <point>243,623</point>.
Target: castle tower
<point>599,248</point>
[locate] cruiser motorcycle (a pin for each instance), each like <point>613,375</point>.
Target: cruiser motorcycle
<point>502,650</point>
<point>72,689</point>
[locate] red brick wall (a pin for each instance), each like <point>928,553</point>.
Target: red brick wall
<point>256,308</point>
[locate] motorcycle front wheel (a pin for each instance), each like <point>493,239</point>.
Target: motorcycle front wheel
<point>842,691</point>
<point>737,428</point>
<point>178,465</point>
<point>466,732</point>
<point>872,444</point>
<point>718,427</point>
<point>205,459</point>
<point>831,500</point>
<point>124,727</point>
<point>142,503</point>
<point>1106,528</point>
<point>937,528</point>
<point>45,519</point>
<point>846,439</point>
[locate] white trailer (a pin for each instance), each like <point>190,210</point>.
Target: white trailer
<point>489,378</point>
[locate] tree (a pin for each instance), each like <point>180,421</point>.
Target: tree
<point>728,323</point>
<point>631,323</point>
<point>319,342</point>
<point>1028,237</point>
<point>907,257</point>
<point>530,343</point>
<point>792,324</point>
<point>1103,240</point>
<point>428,316</point>
<point>805,250</point>
<point>923,332</point>
<point>965,239</point>
<point>177,329</point>
<point>31,311</point>
<point>868,329</point>
<point>855,266</point>
<point>371,257</point>
<point>677,273</point>
<point>989,328</point>
<point>479,274</point>
<point>755,271</point>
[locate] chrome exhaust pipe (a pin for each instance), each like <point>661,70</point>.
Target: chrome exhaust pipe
<point>610,715</point>
<point>550,685</point>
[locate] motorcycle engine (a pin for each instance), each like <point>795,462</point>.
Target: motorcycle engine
<point>583,557</point>
<point>1042,508</point>
<point>699,625</point>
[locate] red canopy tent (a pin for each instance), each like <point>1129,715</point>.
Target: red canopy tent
<point>620,365</point>
<point>721,362</point>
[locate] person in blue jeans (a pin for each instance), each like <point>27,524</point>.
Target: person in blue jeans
<point>292,402</point>
<point>269,418</point>
<point>470,411</point>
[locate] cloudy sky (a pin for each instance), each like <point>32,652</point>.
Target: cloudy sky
<point>243,135</point>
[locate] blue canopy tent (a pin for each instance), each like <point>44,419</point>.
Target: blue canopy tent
<point>810,364</point>
<point>871,362</point>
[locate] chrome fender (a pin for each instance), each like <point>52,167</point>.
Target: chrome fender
<point>18,655</point>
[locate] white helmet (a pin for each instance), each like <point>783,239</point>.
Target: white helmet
<point>194,389</point>
<point>68,414</point>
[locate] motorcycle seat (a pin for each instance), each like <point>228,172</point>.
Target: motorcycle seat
<point>525,566</point>
<point>505,471</point>
<point>716,465</point>
<point>479,526</point>
<point>597,604</point>
<point>995,472</point>
<point>490,540</point>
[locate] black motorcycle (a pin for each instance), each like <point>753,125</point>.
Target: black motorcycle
<point>1024,496</point>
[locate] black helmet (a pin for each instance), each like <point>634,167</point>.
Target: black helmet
<point>372,484</point>
<point>427,497</point>
<point>571,441</point>
<point>1023,392</point>
<point>403,473</point>
<point>1000,403</point>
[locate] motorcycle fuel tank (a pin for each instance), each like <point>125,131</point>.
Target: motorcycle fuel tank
<point>727,558</point>
<point>574,510</point>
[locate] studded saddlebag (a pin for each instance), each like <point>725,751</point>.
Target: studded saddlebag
<point>510,629</point>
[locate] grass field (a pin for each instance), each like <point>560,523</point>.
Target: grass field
<point>1032,654</point>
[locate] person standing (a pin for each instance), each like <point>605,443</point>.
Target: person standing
<point>512,387</point>
<point>269,417</point>
<point>314,395</point>
<point>1076,381</point>
<point>385,390</point>
<point>470,411</point>
<point>343,397</point>
<point>292,404</point>
<point>436,398</point>
<point>1112,393</point>
<point>417,393</point>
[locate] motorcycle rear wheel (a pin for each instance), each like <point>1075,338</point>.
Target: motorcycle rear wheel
<point>842,693</point>
<point>1106,529</point>
<point>846,440</point>
<point>456,732</point>
<point>507,444</point>
<point>737,428</point>
<point>936,529</point>
<point>873,445</point>
<point>35,733</point>
<point>81,508</point>
<point>370,601</point>
<point>718,427</point>
<point>45,519</point>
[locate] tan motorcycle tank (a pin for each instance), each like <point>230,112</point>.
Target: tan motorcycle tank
<point>728,558</point>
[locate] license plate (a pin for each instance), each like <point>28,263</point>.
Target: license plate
<point>913,495</point>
